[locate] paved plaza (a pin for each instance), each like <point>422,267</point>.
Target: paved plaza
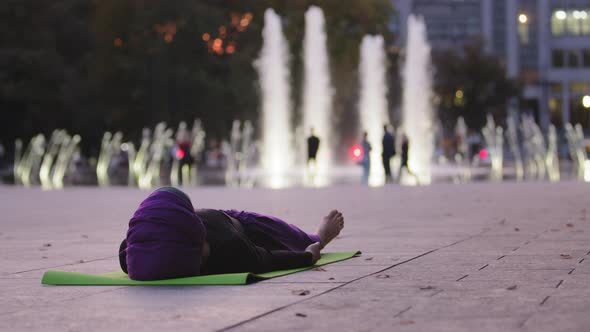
<point>472,257</point>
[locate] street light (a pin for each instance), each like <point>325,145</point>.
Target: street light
<point>522,18</point>
<point>586,101</point>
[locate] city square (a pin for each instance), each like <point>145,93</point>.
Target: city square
<point>216,165</point>
<point>510,257</point>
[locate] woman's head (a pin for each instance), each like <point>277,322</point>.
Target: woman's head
<point>165,237</point>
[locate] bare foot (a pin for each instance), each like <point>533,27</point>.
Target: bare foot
<point>330,227</point>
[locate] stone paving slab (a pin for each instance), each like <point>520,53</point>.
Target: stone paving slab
<point>482,256</point>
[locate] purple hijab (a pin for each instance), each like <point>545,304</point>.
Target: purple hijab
<point>165,237</point>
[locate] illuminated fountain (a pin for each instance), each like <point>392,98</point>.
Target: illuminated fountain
<point>197,146</point>
<point>139,164</point>
<point>231,151</point>
<point>575,140</point>
<point>552,157</point>
<point>247,156</point>
<point>44,162</point>
<point>53,147</point>
<point>418,118</point>
<point>111,145</point>
<point>69,145</point>
<point>317,94</point>
<point>373,101</point>
<point>494,138</point>
<point>273,71</point>
<point>161,143</point>
<point>461,158</point>
<point>29,163</point>
<point>535,148</point>
<point>239,153</point>
<point>512,135</point>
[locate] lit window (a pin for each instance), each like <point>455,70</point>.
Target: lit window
<point>558,22</point>
<point>585,21</point>
<point>573,23</point>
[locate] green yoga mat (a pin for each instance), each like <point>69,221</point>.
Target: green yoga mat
<point>121,279</point>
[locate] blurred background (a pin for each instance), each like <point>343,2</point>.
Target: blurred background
<point>123,66</point>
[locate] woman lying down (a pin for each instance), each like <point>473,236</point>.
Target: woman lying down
<point>168,238</point>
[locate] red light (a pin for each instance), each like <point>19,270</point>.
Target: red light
<point>483,154</point>
<point>356,152</point>
<point>179,153</point>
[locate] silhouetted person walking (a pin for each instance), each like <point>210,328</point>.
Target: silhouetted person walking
<point>313,145</point>
<point>388,152</point>
<point>404,158</point>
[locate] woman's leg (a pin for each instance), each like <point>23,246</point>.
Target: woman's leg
<point>273,233</point>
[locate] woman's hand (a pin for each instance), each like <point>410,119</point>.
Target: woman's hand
<point>314,249</point>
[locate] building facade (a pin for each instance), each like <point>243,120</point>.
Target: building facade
<point>544,43</point>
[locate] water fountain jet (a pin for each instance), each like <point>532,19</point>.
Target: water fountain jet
<point>273,71</point>
<point>418,118</point>
<point>373,101</point>
<point>317,99</point>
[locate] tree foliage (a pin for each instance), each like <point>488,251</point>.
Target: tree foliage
<point>90,66</point>
<point>472,85</point>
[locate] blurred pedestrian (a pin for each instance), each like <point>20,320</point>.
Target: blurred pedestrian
<point>182,151</point>
<point>366,158</point>
<point>313,145</point>
<point>388,143</point>
<point>474,144</point>
<point>404,158</point>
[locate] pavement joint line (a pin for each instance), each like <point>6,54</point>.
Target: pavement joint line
<point>483,267</point>
<point>463,277</point>
<point>499,258</point>
<point>559,283</point>
<point>436,293</point>
<point>544,300</point>
<point>571,271</point>
<point>251,319</point>
<point>402,312</point>
<point>581,260</point>
<point>56,266</point>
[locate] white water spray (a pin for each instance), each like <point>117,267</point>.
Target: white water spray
<point>273,71</point>
<point>417,108</point>
<point>318,92</point>
<point>373,101</point>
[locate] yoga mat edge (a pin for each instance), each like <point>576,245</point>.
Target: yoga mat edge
<point>121,279</point>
